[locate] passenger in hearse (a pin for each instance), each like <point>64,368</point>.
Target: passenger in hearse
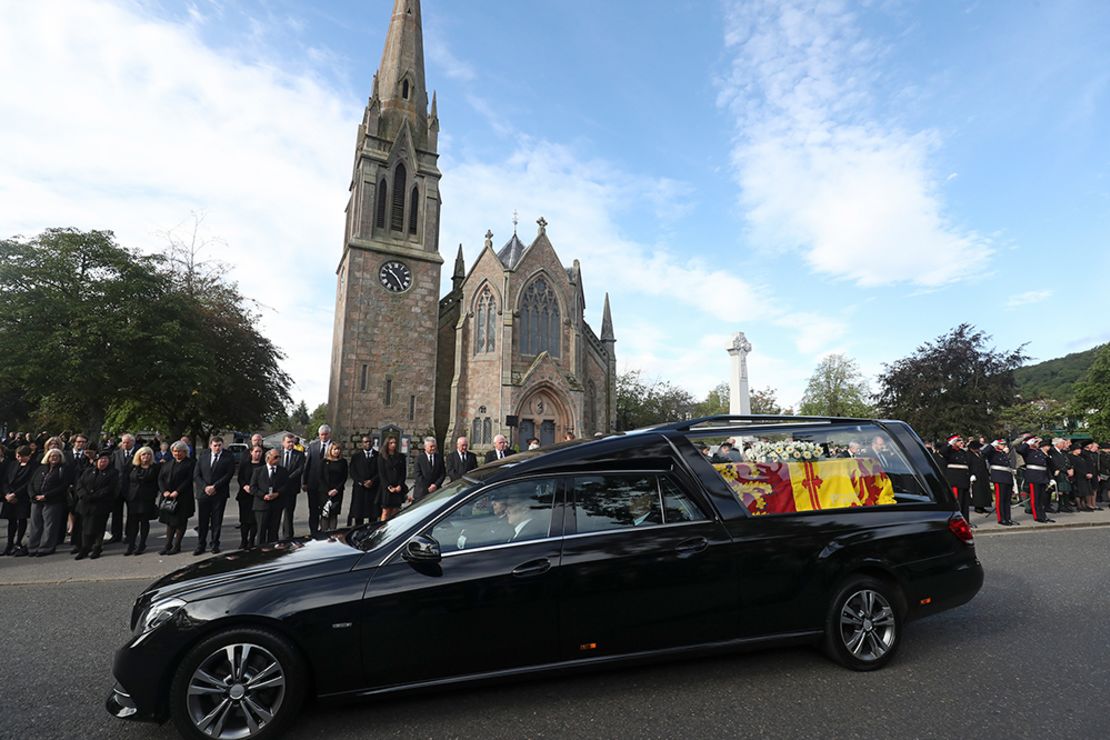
<point>645,510</point>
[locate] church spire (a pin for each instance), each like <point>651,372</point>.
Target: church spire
<point>607,323</point>
<point>401,73</point>
<point>460,270</point>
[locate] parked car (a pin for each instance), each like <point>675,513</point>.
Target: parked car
<point>237,450</point>
<point>583,555</point>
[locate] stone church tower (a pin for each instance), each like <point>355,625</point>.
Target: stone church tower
<point>507,350</point>
<point>387,296</point>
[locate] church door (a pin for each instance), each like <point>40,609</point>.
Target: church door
<point>527,431</point>
<point>547,432</point>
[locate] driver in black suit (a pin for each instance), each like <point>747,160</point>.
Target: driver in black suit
<point>526,523</point>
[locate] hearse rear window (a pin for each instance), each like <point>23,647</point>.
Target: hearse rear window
<point>782,471</point>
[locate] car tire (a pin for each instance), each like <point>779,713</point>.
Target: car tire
<point>863,628</point>
<point>241,682</point>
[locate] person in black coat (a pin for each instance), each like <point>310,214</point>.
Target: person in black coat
<point>248,466</point>
<point>175,484</point>
<point>500,449</point>
<point>331,492</point>
<point>269,484</point>
<point>142,500</point>
<point>957,468</point>
<point>364,485</point>
<point>430,471</point>
<point>15,500</point>
<point>48,502</point>
<point>1037,473</point>
<point>1084,474</point>
<point>212,476</point>
<point>293,461</point>
<point>980,476</point>
<point>392,472</point>
<point>97,491</point>
<point>122,460</point>
<point>315,454</point>
<point>461,461</point>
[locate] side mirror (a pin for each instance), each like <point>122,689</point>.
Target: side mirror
<point>422,549</point>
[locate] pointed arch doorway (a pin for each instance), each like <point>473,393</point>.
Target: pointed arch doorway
<point>544,414</point>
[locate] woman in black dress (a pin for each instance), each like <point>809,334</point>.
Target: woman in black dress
<point>16,497</point>
<point>142,497</point>
<point>175,483</point>
<point>248,528</point>
<point>48,502</point>
<point>392,470</point>
<point>331,494</point>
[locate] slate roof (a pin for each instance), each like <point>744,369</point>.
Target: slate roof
<point>511,253</point>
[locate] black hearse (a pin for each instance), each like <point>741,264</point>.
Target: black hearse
<point>832,531</point>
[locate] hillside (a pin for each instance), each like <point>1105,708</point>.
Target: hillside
<point>1054,379</point>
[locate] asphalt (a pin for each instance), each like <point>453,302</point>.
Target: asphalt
<point>1027,658</point>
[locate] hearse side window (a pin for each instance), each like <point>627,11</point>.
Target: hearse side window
<point>781,471</point>
<point>629,500</point>
<point>515,512</point>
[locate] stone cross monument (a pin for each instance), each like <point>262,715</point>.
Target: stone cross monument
<point>739,396</point>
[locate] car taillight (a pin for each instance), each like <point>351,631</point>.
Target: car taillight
<point>958,526</point>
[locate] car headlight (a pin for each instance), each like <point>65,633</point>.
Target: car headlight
<point>156,615</point>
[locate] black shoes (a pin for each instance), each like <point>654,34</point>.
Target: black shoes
<point>94,554</point>
<point>216,550</point>
<point>81,556</point>
<point>141,548</point>
<point>130,550</point>
<point>200,550</point>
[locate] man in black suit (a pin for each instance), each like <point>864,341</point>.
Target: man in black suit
<point>122,459</point>
<point>430,471</point>
<point>527,523</point>
<point>315,455</point>
<point>364,477</point>
<point>461,461</point>
<point>269,485</point>
<point>292,460</point>
<point>211,479</point>
<point>500,449</point>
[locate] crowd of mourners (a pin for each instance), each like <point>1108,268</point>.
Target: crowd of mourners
<point>59,489</point>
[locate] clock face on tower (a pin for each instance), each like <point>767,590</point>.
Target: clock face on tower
<point>395,276</point>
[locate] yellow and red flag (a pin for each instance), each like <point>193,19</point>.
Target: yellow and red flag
<point>778,488</point>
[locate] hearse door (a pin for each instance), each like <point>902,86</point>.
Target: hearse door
<point>644,568</point>
<point>488,604</point>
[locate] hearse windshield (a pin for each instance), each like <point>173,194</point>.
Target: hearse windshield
<point>376,534</point>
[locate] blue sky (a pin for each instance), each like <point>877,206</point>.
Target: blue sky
<point>825,176</point>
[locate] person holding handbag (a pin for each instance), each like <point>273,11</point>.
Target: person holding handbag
<point>97,490</point>
<point>331,493</point>
<point>175,496</point>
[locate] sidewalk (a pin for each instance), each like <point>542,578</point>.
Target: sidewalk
<point>988,523</point>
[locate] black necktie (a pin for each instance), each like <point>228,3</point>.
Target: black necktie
<point>287,458</point>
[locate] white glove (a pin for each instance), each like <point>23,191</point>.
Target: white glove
<point>973,479</point>
<point>1052,484</point>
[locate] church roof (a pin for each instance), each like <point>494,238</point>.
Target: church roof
<point>511,253</point>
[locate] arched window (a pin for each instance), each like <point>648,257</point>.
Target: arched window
<point>397,216</point>
<point>485,322</point>
<point>591,408</point>
<point>476,432</point>
<point>379,209</point>
<point>539,318</point>
<point>405,89</point>
<point>414,206</point>
<point>487,431</point>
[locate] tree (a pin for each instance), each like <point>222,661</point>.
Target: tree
<point>765,401</point>
<point>836,388</point>
<point>641,403</point>
<point>954,384</point>
<point>319,416</point>
<point>300,416</point>
<point>1092,395</point>
<point>101,335</point>
<point>716,401</point>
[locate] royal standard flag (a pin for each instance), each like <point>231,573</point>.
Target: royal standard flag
<point>778,488</point>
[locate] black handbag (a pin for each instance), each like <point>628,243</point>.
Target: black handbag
<point>168,505</point>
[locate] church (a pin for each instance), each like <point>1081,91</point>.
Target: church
<point>506,351</point>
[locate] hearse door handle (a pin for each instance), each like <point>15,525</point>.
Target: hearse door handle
<point>691,546</point>
<point>532,568</point>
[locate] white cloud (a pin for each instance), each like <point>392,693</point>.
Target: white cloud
<point>817,173</point>
<point>1029,296</point>
<point>115,119</point>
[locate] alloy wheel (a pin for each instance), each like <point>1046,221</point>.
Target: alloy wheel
<point>236,691</point>
<point>867,625</point>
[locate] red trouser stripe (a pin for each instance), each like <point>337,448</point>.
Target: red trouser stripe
<point>998,501</point>
<point>1033,502</point>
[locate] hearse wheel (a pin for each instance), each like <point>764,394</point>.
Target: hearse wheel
<point>864,624</point>
<point>239,683</point>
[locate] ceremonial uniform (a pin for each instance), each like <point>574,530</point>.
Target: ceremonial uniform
<point>1064,488</point>
<point>1037,476</point>
<point>1002,481</point>
<point>957,468</point>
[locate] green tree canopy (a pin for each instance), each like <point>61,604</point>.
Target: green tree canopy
<point>1092,395</point>
<point>642,403</point>
<point>836,388</point>
<point>102,335</point>
<point>764,401</point>
<point>954,384</point>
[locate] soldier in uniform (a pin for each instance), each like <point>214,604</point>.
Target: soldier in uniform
<point>997,457</point>
<point>1037,476</point>
<point>957,468</point>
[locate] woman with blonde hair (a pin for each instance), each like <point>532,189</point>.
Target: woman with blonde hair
<point>48,502</point>
<point>141,497</point>
<point>331,494</point>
